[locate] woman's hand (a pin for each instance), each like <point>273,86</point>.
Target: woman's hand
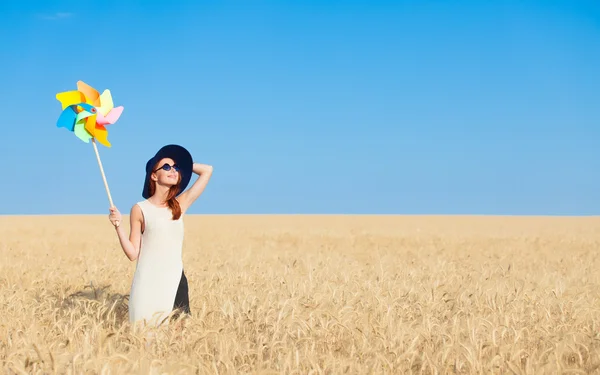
<point>115,216</point>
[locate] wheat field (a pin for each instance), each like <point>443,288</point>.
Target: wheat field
<point>311,295</point>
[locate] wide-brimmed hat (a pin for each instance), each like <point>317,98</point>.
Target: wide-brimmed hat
<point>180,156</point>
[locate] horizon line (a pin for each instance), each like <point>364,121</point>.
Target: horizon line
<point>332,214</point>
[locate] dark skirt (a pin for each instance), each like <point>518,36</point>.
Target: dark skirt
<point>182,299</point>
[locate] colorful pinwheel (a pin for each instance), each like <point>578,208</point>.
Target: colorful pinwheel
<point>85,112</point>
<point>88,123</point>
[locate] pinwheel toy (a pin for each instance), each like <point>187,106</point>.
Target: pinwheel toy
<point>86,112</point>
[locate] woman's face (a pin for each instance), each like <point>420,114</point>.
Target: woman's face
<point>166,172</point>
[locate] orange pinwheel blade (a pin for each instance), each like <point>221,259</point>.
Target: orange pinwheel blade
<point>102,135</point>
<point>92,95</point>
<point>99,132</point>
<point>90,125</point>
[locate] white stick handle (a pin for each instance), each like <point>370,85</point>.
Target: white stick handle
<point>103,175</point>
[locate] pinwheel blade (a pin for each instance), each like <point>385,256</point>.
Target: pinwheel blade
<point>111,118</point>
<point>106,103</point>
<point>91,94</point>
<point>69,98</point>
<point>67,119</point>
<point>80,131</point>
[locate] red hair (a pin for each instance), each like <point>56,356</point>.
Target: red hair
<point>172,201</point>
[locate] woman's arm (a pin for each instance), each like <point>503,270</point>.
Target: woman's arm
<point>188,197</point>
<point>131,245</point>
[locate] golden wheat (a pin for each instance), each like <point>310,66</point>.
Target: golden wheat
<point>311,294</point>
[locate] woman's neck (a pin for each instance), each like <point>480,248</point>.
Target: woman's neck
<point>160,196</point>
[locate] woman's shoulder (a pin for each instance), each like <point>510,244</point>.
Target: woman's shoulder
<point>141,206</point>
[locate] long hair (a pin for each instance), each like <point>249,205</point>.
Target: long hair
<point>172,202</point>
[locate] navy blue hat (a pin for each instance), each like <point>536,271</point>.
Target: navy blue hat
<point>180,156</point>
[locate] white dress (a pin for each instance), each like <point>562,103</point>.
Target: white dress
<point>159,266</point>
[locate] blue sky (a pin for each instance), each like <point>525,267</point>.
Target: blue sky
<point>375,107</point>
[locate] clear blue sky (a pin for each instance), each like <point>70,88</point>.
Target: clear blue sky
<point>402,107</point>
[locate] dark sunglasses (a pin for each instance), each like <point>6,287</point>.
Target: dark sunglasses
<point>168,167</point>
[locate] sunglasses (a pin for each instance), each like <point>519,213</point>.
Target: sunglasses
<point>168,167</point>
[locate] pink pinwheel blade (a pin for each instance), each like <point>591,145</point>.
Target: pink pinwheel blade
<point>111,117</point>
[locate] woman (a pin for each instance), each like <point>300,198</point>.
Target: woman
<point>159,284</point>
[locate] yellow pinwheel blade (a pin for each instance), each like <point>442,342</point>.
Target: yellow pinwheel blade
<point>68,98</point>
